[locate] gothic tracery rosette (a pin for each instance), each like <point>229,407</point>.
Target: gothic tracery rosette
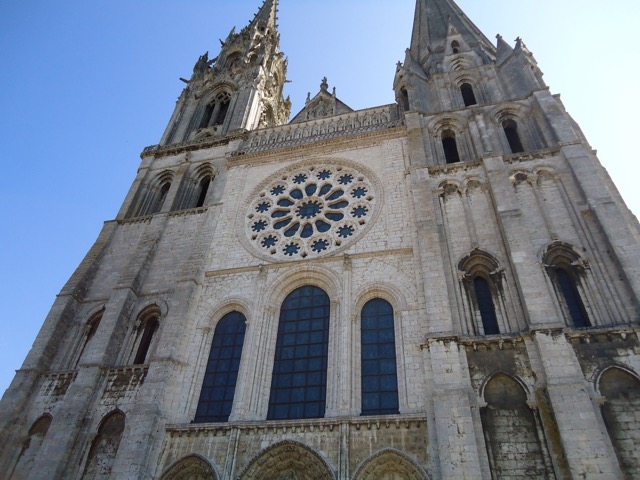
<point>310,212</point>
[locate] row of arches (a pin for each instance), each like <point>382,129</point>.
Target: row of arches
<point>482,280</point>
<point>192,192</point>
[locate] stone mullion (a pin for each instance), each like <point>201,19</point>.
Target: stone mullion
<point>335,389</point>
<point>340,364</point>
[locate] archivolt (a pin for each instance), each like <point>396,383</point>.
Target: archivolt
<point>382,464</point>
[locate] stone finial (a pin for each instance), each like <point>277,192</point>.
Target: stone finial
<point>324,86</point>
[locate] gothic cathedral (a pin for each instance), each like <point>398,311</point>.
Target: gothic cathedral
<point>445,287</point>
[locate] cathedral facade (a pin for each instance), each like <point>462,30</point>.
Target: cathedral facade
<point>445,287</point>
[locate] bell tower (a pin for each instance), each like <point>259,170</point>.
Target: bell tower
<point>240,89</point>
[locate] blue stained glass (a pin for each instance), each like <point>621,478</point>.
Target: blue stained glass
<point>216,397</point>
<point>325,189</point>
<point>319,245</point>
<point>346,179</point>
<point>300,179</point>
<point>259,226</point>
<point>285,202</point>
<point>323,175</point>
<point>359,212</point>
<point>336,217</point>
<point>305,390</point>
<point>577,312</point>
<point>345,231</point>
<point>282,223</point>
<point>277,190</point>
<point>263,207</point>
<point>307,231</point>
<point>290,232</point>
<point>310,189</point>
<point>322,226</point>
<point>339,205</point>
<point>279,213</point>
<point>269,241</point>
<point>297,194</point>
<point>309,210</point>
<point>291,249</point>
<point>359,192</point>
<point>378,356</point>
<point>335,195</point>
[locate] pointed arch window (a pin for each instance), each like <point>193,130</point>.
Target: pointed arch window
<point>299,381</point>
<point>468,96</point>
<point>484,301</point>
<point>403,99</point>
<point>567,271</point>
<point>510,128</point>
<point>31,448</point>
<point>221,375</point>
<point>90,330</point>
<point>379,377</point>
<point>450,147</point>
<point>203,188</point>
<point>148,323</point>
<point>455,47</point>
<point>159,201</point>
<point>216,112</point>
<point>104,447</point>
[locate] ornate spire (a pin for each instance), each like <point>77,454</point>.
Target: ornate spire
<point>267,16</point>
<point>433,22</point>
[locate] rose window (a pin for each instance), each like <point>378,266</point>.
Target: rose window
<point>310,212</point>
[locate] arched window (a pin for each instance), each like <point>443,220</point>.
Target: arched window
<point>219,385</point>
<point>455,46</point>
<point>105,446</point>
<point>567,286</point>
<point>511,131</point>
<point>90,330</point>
<point>484,299</point>
<point>450,147</point>
<point>403,99</point>
<point>378,350</point>
<point>621,391</point>
<point>299,382</point>
<point>567,270</point>
<point>160,199</point>
<point>216,112</point>
<point>148,324</point>
<point>467,95</point>
<point>30,448</point>
<point>512,433</point>
<point>203,188</point>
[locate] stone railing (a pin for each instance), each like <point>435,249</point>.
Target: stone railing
<point>354,123</point>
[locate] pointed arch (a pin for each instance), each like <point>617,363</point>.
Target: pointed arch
<point>390,464</point>
<point>566,270</point>
<point>191,467</point>
<point>146,327</point>
<point>288,457</point>
<point>104,446</point>
<point>31,447</point>
<point>152,195</point>
<point>621,391</point>
<point>513,436</point>
<point>90,329</point>
<point>468,96</point>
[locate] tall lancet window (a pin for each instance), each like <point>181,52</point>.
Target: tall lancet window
<point>484,299</point>
<point>567,286</point>
<point>511,132</point>
<point>299,382</point>
<point>450,147</point>
<point>219,386</point>
<point>378,346</point>
<point>468,96</point>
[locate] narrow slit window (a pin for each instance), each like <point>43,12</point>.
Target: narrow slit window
<point>450,147</point>
<point>148,331</point>
<point>468,96</point>
<point>455,46</point>
<point>204,188</point>
<point>486,306</point>
<point>511,131</point>
<point>573,302</point>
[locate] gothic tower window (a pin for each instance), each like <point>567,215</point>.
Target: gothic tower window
<point>216,112</point>
<point>147,325</point>
<point>90,330</point>
<point>403,99</point>
<point>567,272</point>
<point>203,189</point>
<point>219,385</point>
<point>450,147</point>
<point>510,128</point>
<point>378,350</point>
<point>104,447</point>
<point>455,47</point>
<point>299,381</point>
<point>157,205</point>
<point>484,301</point>
<point>31,447</point>
<point>468,96</point>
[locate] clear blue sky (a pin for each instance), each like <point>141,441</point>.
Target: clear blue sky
<point>86,85</point>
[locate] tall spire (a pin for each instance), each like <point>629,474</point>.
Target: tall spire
<point>267,16</point>
<point>432,24</point>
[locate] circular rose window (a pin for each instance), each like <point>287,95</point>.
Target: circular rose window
<point>309,212</point>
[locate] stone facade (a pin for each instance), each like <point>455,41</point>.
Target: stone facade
<point>472,216</point>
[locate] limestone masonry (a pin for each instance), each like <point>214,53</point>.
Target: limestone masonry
<point>445,287</point>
